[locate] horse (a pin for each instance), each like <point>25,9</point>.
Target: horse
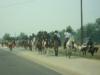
<point>96,49</point>
<point>45,46</point>
<point>56,46</point>
<point>11,45</point>
<point>39,45</point>
<point>33,43</point>
<point>27,44</point>
<point>70,47</point>
<point>92,50</point>
<point>84,49</point>
<point>81,48</point>
<point>30,45</point>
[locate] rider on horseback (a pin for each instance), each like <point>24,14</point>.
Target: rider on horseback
<point>90,44</point>
<point>57,37</point>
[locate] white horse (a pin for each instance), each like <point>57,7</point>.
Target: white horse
<point>69,46</point>
<point>33,43</point>
<point>44,46</point>
<point>72,47</point>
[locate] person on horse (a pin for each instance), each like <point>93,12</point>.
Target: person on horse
<point>57,37</point>
<point>90,44</point>
<point>67,35</point>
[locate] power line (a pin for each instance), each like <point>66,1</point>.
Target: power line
<point>18,3</point>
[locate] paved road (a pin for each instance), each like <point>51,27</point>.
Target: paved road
<point>11,64</point>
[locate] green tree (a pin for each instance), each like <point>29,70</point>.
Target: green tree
<point>98,21</point>
<point>90,30</point>
<point>6,37</point>
<point>69,29</point>
<point>22,36</point>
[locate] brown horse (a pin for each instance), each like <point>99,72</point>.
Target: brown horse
<point>39,46</point>
<point>92,50</point>
<point>11,45</point>
<point>27,44</point>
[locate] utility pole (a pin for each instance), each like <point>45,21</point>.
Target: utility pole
<point>81,22</point>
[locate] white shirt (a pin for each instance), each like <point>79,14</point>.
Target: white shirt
<point>57,34</point>
<point>67,35</point>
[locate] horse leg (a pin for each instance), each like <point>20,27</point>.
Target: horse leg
<point>70,53</point>
<point>85,52</point>
<point>10,48</point>
<point>41,51</point>
<point>66,53</point>
<point>92,53</point>
<point>91,50</point>
<point>30,47</point>
<point>45,51</point>
<point>56,52</point>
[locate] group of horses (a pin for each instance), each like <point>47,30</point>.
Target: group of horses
<point>72,47</point>
<point>42,45</point>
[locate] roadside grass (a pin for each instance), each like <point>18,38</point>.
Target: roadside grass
<point>62,53</point>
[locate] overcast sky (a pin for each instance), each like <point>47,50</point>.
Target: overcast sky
<point>31,16</point>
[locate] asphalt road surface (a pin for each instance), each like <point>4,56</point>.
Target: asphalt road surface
<point>11,64</point>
